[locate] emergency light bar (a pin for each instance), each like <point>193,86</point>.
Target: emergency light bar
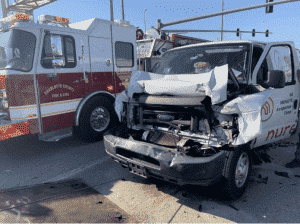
<point>19,17</point>
<point>54,19</point>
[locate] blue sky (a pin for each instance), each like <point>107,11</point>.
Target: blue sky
<point>283,22</point>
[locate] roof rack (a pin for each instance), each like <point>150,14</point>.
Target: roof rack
<point>22,6</point>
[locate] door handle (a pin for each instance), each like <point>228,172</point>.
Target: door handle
<point>295,104</point>
<point>51,75</point>
<point>85,78</point>
<point>108,62</point>
<point>77,81</point>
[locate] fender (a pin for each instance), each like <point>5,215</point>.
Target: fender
<point>88,97</point>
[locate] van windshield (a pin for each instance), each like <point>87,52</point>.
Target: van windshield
<point>203,59</point>
<point>17,50</point>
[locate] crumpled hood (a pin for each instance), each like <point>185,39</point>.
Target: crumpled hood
<point>171,87</point>
<point>212,84</point>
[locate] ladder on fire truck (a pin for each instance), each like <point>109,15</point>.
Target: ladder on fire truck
<point>22,6</point>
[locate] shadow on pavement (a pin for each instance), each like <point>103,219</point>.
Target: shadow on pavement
<point>63,201</point>
<point>272,196</point>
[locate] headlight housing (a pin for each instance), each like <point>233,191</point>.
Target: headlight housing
<point>3,95</point>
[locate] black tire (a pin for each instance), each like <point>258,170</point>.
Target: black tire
<point>231,188</point>
<point>97,106</point>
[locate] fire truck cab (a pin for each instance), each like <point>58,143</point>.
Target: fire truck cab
<point>62,78</point>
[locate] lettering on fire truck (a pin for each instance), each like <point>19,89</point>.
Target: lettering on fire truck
<point>58,86</point>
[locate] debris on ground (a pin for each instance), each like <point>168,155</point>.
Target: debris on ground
<point>282,174</point>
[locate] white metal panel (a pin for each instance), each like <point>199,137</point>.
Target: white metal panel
<point>102,29</point>
<point>83,25</point>
<point>100,52</point>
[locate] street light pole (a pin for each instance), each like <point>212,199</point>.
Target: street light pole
<point>222,21</point>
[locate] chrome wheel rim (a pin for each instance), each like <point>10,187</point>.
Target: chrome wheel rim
<point>242,169</point>
<point>100,119</point>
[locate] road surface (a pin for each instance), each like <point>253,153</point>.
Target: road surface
<point>71,181</point>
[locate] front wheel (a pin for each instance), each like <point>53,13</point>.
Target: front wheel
<point>236,172</point>
<point>96,118</point>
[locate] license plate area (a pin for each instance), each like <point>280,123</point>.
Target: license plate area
<point>138,170</point>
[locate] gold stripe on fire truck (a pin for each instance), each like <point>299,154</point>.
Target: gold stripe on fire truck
<point>59,112</point>
<point>61,102</point>
<point>54,107</point>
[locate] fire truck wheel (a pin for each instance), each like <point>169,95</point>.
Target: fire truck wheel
<point>236,172</point>
<point>96,118</point>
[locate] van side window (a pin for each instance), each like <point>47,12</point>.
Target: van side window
<point>64,55</point>
<point>278,58</point>
<point>124,54</point>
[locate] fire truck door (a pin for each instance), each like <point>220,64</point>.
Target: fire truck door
<point>101,64</point>
<point>61,79</point>
<point>124,51</point>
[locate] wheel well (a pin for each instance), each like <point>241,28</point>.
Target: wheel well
<point>89,98</point>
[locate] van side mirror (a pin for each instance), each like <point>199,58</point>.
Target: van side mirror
<point>276,79</point>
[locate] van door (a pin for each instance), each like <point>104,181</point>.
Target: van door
<point>61,80</point>
<point>101,64</point>
<point>280,110</point>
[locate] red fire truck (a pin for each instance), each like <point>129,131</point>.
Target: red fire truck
<point>55,75</point>
<point>155,43</point>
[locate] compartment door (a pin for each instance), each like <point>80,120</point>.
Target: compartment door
<point>101,64</point>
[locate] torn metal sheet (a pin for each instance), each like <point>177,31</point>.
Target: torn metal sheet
<point>248,108</point>
<point>213,84</point>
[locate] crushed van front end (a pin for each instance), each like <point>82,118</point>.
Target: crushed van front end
<point>179,139</point>
<point>150,160</point>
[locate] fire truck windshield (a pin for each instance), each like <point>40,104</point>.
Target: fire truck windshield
<point>203,59</point>
<point>17,50</point>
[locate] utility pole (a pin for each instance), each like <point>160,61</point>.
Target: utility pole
<point>145,20</point>
<point>3,6</point>
<point>111,10</point>
<point>222,21</point>
<point>122,5</point>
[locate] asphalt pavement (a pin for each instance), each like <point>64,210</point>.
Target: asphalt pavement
<point>70,181</point>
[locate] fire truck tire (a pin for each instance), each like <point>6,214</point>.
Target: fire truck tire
<point>236,172</point>
<point>97,116</point>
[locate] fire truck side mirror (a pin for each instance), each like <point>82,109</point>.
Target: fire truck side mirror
<point>58,62</point>
<point>56,45</point>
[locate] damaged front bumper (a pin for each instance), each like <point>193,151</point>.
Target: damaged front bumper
<point>150,160</point>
